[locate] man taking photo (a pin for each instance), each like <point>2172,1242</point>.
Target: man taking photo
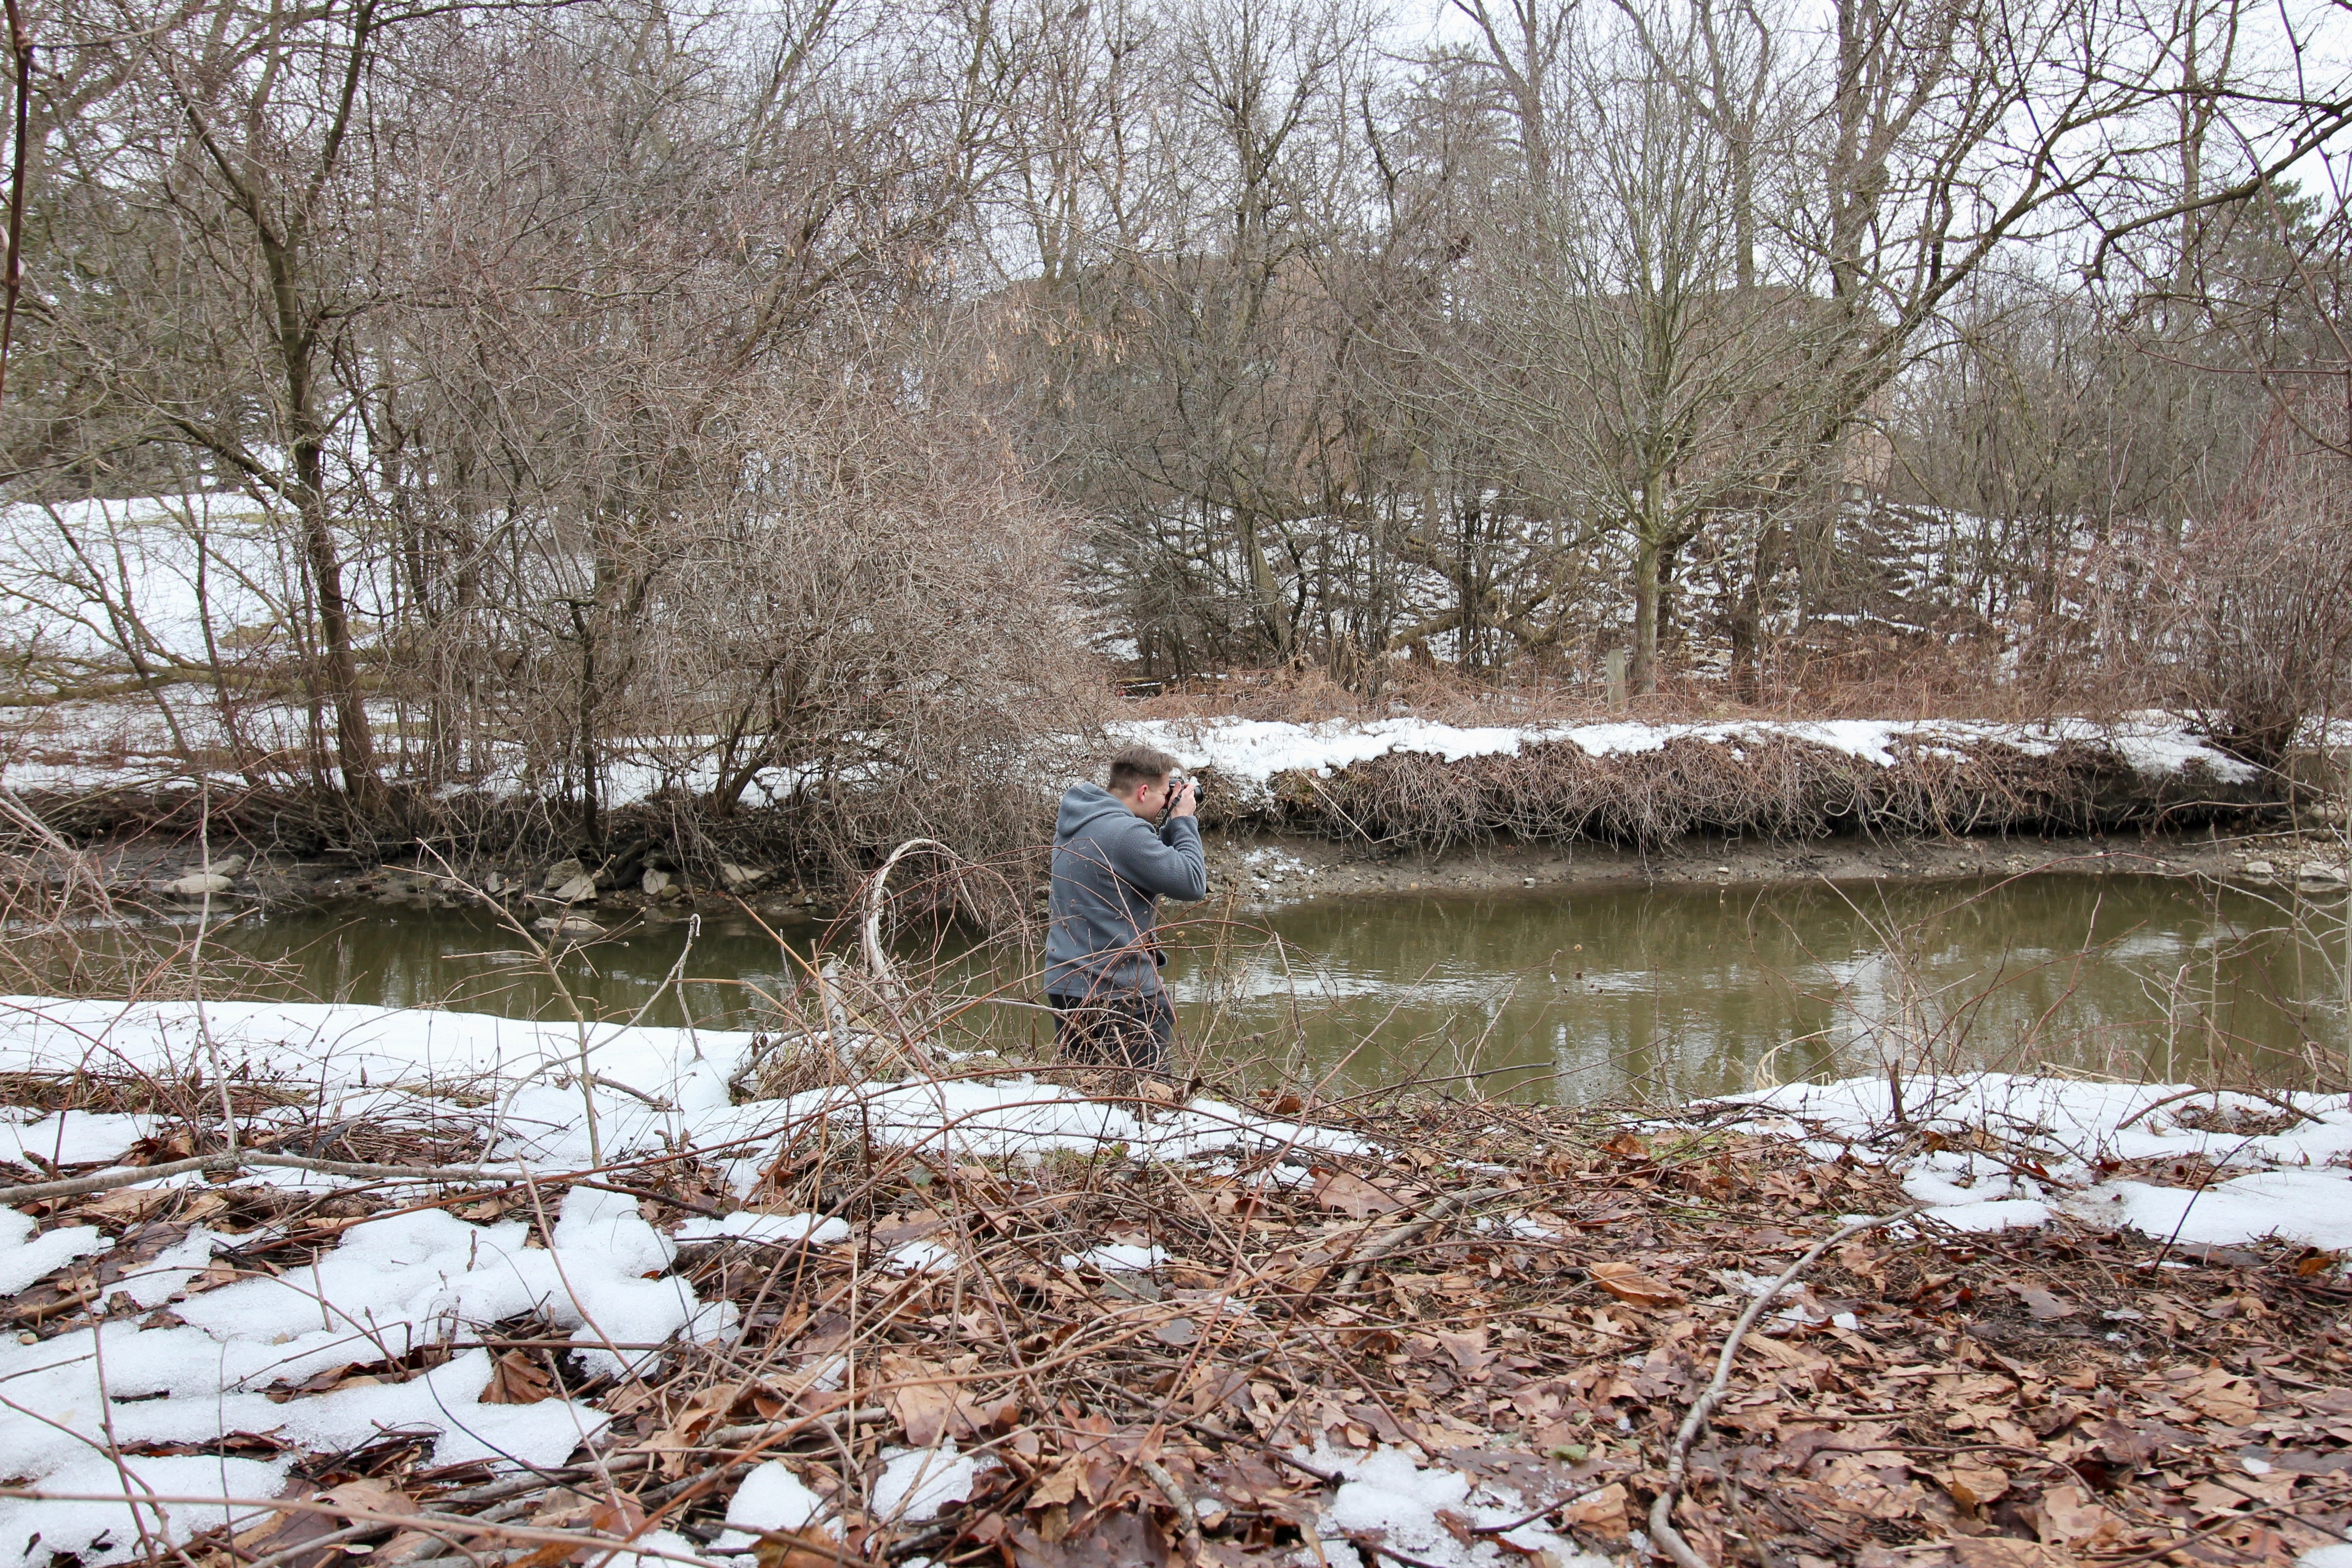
<point>1117,851</point>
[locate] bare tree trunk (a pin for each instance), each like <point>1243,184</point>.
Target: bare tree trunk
<point>1647,559</point>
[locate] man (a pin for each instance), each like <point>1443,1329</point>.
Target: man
<point>1112,864</point>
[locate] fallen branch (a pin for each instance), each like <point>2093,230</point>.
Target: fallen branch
<point>1397,1237</point>
<point>1662,1526</point>
<point>131,1176</point>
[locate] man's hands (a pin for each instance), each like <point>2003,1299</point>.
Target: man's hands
<point>1186,801</point>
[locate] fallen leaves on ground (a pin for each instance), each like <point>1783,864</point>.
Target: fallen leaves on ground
<point>2034,1399</point>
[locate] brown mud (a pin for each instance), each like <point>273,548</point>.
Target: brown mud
<point>1266,867</point>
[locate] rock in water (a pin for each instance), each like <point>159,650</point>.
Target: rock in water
<point>562,871</point>
<point>580,889</point>
<point>195,885</point>
<point>570,925</point>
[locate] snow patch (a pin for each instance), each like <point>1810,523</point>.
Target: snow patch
<point>771,1497</point>
<point>1250,752</point>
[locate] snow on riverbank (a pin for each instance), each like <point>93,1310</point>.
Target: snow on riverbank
<point>1251,753</point>
<point>207,1367</point>
<point>83,746</point>
<point>201,1349</point>
<point>2017,1150</point>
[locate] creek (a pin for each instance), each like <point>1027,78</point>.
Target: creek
<point>1578,995</point>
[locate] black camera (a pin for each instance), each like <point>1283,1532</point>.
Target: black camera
<point>1176,790</point>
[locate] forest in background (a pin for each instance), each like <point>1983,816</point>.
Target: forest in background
<point>849,391</point>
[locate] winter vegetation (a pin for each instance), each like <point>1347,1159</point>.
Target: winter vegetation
<point>434,421</point>
<point>609,447</point>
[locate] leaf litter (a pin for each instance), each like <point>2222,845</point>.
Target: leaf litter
<point>1051,1329</point>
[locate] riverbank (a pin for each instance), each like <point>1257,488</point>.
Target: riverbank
<point>1269,868</point>
<point>1294,810</point>
<point>441,1292</point>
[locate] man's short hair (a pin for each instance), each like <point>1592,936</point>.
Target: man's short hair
<point>1139,765</point>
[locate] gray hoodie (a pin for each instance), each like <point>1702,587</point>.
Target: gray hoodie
<point>1110,867</point>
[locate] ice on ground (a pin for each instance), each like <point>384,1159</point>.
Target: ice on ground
<point>169,1272</point>
<point>653,1549</point>
<point>771,1497</point>
<point>1954,1177</point>
<point>920,1257</point>
<point>34,1531</point>
<point>391,1284</point>
<point>915,1483</point>
<point>1387,1495</point>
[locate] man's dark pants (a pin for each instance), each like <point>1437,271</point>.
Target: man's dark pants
<point>1132,1032</point>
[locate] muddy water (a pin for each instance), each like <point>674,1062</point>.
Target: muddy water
<point>1577,996</point>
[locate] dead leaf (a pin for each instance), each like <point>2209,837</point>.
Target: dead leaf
<point>1973,1486</point>
<point>1351,1196</point>
<point>2003,1551</point>
<point>517,1381</point>
<point>1468,1349</point>
<point>129,1205</point>
<point>2120,1444</point>
<point>1780,1352</point>
<point>292,1530</point>
<point>921,1410</point>
<point>2043,1307</point>
<point>1601,1512</point>
<point>2224,1398</point>
<point>1628,1283</point>
<point>1177,1331</point>
<point>2070,1518</point>
<point>683,1433</point>
<point>1060,1486</point>
<point>809,1548</point>
<point>927,1403</point>
<point>619,1521</point>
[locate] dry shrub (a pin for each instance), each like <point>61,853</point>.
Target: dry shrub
<point>1777,786</point>
<point>1825,678</point>
<point>2245,626</point>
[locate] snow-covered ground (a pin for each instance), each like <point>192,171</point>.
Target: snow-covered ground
<point>394,1283</point>
<point>2015,1151</point>
<point>87,746</point>
<point>1250,753</point>
<point>2021,1150</point>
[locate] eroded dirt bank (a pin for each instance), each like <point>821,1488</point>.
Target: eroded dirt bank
<point>1256,868</point>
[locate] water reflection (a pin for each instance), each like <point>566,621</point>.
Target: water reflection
<point>1578,996</point>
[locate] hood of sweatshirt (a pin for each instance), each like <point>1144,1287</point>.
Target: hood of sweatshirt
<point>1087,803</point>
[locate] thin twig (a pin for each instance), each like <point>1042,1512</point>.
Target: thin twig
<point>1662,1524</point>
